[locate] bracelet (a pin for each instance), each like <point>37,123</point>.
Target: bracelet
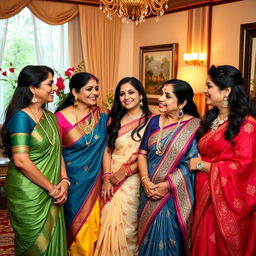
<point>106,175</point>
<point>128,170</point>
<point>65,178</point>
<point>67,181</point>
<point>53,192</point>
<point>143,178</point>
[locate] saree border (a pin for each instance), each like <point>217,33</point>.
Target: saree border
<point>84,211</point>
<point>181,141</point>
<point>75,133</point>
<point>42,241</point>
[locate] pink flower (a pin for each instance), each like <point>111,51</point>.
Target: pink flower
<point>12,70</point>
<point>4,73</point>
<point>60,83</point>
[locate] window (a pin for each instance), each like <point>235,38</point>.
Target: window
<point>24,40</point>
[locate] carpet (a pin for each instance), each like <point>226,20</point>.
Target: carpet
<point>6,232</point>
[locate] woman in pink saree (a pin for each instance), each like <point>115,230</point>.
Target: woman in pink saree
<point>225,218</point>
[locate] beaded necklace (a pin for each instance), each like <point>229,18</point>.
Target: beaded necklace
<point>217,122</point>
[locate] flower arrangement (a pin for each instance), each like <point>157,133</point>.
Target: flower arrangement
<point>9,76</point>
<point>63,78</point>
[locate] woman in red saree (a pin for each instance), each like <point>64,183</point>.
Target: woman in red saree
<point>225,217</point>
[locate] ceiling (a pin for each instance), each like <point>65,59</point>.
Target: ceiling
<point>173,5</point>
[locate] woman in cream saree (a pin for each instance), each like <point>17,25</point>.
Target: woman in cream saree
<point>118,228</point>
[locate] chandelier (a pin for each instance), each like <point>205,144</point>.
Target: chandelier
<point>135,10</point>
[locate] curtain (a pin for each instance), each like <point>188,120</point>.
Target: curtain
<point>51,48</point>
<point>52,13</point>
<point>101,46</point>
<point>74,42</point>
<point>3,32</point>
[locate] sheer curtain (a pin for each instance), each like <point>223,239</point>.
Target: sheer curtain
<point>49,46</point>
<point>3,32</point>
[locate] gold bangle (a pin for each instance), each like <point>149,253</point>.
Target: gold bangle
<point>143,178</point>
<point>65,180</point>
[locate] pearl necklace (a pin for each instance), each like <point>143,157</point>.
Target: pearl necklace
<point>217,122</point>
<point>52,142</point>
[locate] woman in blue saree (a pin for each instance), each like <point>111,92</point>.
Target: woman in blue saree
<point>83,128</point>
<point>36,183</point>
<point>166,204</point>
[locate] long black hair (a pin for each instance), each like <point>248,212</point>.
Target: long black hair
<point>238,101</point>
<point>22,97</point>
<point>184,92</point>
<point>76,82</point>
<point>118,111</point>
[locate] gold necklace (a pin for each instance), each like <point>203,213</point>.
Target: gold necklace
<point>159,148</point>
<point>52,142</point>
<point>217,122</point>
<point>86,128</point>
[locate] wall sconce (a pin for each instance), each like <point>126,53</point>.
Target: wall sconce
<point>198,36</point>
<point>194,58</point>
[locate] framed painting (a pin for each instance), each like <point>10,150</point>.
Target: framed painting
<point>247,57</point>
<point>158,63</point>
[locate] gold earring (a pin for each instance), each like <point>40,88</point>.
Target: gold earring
<point>225,102</point>
<point>76,101</point>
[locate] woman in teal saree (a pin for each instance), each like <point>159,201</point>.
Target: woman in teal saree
<point>166,202</point>
<point>36,183</point>
<point>83,127</point>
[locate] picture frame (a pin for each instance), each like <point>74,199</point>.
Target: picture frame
<point>158,63</point>
<point>247,57</point>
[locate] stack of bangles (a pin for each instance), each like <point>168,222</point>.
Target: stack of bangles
<point>128,171</point>
<point>66,179</point>
<point>143,178</point>
<point>106,175</point>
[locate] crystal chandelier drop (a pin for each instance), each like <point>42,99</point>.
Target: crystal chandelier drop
<point>135,10</point>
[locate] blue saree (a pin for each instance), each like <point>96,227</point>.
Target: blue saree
<point>82,155</point>
<point>165,225</point>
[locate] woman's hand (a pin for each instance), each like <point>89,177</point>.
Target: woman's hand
<point>161,190</point>
<point>149,188</point>
<point>192,163</point>
<point>117,177</point>
<point>61,197</point>
<point>107,190</point>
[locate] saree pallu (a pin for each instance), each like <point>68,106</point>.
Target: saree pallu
<point>38,224</point>
<point>118,229</point>
<point>225,217</point>
<point>83,163</point>
<point>165,225</point>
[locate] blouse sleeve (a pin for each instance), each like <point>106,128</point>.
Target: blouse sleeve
<point>19,128</point>
<point>148,131</point>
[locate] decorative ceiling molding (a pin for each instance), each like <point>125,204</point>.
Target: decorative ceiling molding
<point>173,5</point>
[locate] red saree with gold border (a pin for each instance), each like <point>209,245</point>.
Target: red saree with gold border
<point>225,218</point>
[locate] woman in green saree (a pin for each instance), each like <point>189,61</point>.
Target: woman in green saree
<point>36,184</point>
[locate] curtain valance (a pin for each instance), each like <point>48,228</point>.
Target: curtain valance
<point>53,13</point>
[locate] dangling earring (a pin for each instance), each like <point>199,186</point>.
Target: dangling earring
<point>180,113</point>
<point>141,103</point>
<point>225,102</point>
<point>75,101</point>
<point>34,99</point>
